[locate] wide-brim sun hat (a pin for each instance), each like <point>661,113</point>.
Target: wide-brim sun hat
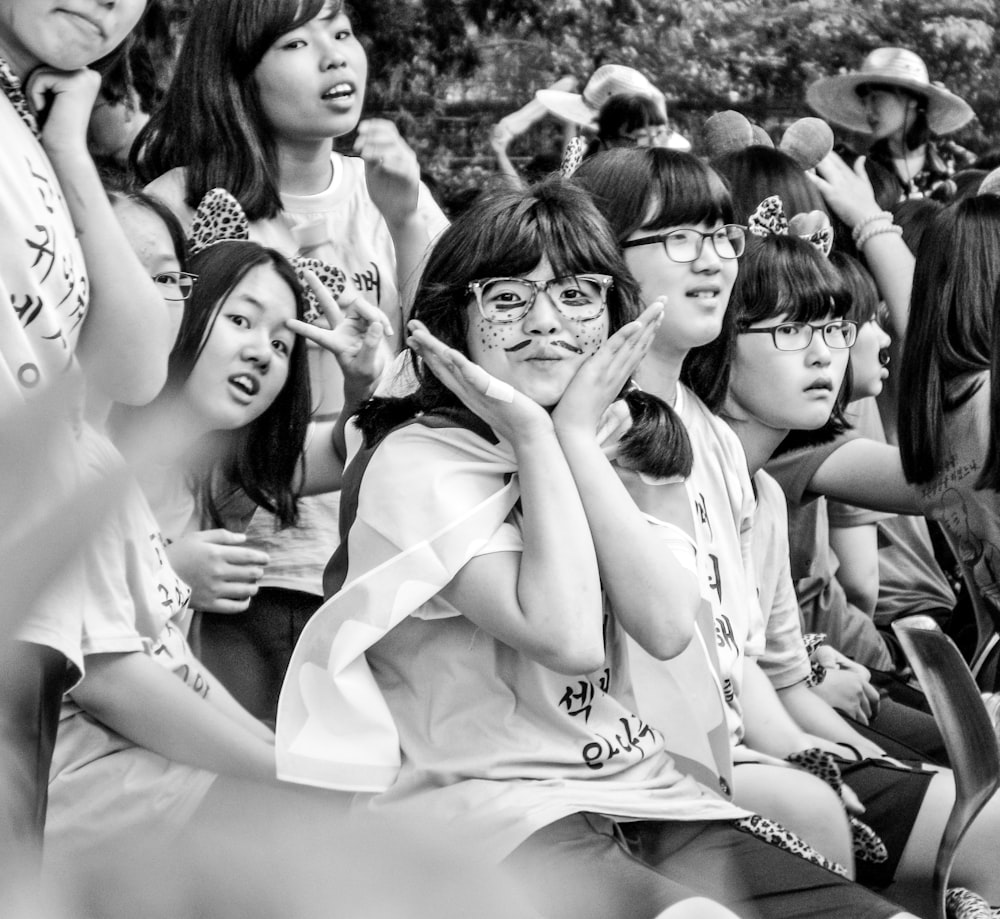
<point>607,81</point>
<point>836,98</point>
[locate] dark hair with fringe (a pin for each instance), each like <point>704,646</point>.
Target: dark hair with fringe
<point>619,116</point>
<point>264,457</point>
<point>210,121</point>
<point>506,233</point>
<point>780,276</point>
<point>950,332</point>
<point>653,188</point>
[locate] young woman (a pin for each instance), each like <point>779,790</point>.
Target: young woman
<point>673,218</point>
<point>891,99</point>
<point>283,80</point>
<point>945,425</point>
<point>787,363</point>
<point>73,297</point>
<point>472,662</point>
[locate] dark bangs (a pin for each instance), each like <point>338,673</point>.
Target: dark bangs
<point>260,25</point>
<point>506,234</point>
<point>860,286</point>
<point>654,188</point>
<point>786,276</point>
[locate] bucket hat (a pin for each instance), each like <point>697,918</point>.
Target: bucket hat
<point>607,81</point>
<point>837,100</point>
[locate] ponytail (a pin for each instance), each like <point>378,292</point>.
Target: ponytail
<point>657,444</point>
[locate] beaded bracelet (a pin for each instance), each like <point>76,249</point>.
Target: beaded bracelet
<point>881,215</point>
<point>875,231</point>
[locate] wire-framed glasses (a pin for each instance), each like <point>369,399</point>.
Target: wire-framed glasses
<point>175,285</point>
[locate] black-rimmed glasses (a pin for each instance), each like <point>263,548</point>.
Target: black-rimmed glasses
<point>576,296</point>
<point>685,244</point>
<point>797,336</point>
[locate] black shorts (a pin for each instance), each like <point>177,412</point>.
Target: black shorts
<point>588,866</point>
<point>892,796</point>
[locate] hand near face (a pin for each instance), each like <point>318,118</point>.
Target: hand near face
<point>848,192</point>
<point>63,101</point>
<point>356,337</point>
<point>511,414</point>
<point>392,172</point>
<point>601,377</point>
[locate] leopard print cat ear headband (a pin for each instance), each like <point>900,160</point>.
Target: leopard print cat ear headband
<point>768,219</point>
<point>219,217</point>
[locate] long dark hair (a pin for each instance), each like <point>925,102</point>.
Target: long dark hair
<point>950,332</point>
<point>779,276</point>
<point>211,121</point>
<point>264,457</point>
<point>507,233</point>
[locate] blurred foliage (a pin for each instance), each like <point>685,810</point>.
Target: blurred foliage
<point>447,70</point>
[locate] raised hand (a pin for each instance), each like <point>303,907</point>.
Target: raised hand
<point>220,569</point>
<point>392,172</point>
<point>356,337</point>
<point>601,377</point>
<point>848,192</point>
<point>510,413</point>
<point>63,101</point>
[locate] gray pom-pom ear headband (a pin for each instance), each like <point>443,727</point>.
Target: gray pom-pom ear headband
<point>807,141</point>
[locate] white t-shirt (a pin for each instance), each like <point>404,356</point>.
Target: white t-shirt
<point>722,503</point>
<point>785,660</point>
<point>101,784</point>
<point>44,296</point>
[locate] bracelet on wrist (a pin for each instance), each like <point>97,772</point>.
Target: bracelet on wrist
<point>877,230</point>
<point>874,218</point>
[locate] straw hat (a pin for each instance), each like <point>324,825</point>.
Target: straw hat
<point>837,99</point>
<point>607,81</point>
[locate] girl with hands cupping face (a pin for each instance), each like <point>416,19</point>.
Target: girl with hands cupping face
<point>472,649</point>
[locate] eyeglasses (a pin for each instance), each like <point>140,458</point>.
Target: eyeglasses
<point>797,336</point>
<point>175,285</point>
<point>576,296</point>
<point>685,245</point>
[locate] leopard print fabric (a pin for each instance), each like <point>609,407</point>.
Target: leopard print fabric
<point>573,156</point>
<point>220,217</point>
<point>962,903</point>
<point>14,91</point>
<point>868,846</point>
<point>775,834</point>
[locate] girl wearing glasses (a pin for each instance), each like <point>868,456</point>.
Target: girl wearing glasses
<point>673,218</point>
<point>496,692</point>
<point>283,79</point>
<point>769,389</point>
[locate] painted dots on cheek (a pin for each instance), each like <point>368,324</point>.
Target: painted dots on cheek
<point>590,338</point>
<point>491,337</point>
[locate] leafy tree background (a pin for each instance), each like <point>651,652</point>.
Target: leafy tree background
<point>446,70</point>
